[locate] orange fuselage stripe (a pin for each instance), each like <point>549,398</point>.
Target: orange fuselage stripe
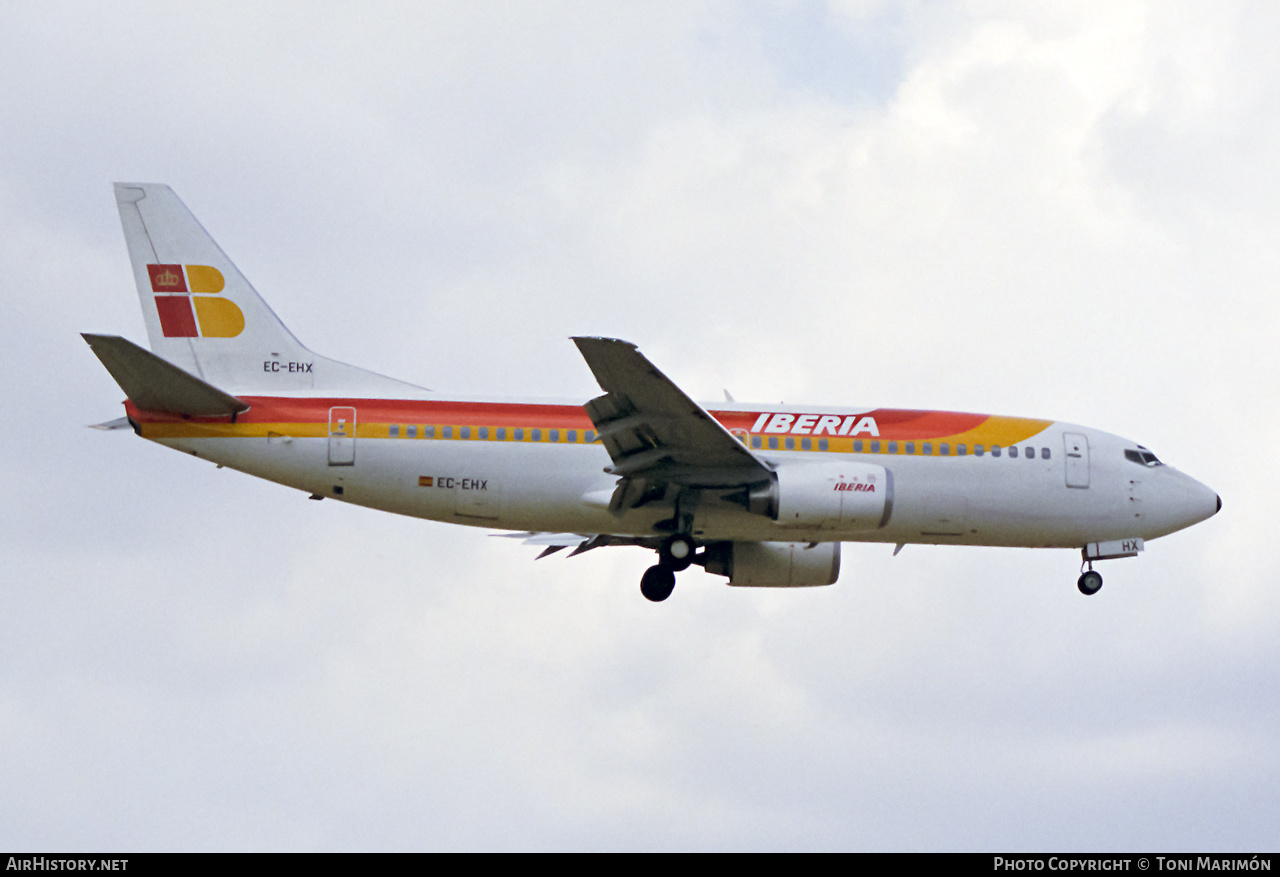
<point>309,417</point>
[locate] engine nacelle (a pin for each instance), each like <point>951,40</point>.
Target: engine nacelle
<point>775,564</point>
<point>849,496</point>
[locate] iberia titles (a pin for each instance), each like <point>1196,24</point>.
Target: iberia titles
<point>815,424</point>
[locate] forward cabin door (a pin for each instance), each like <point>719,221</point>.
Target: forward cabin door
<point>1077,456</point>
<point>342,436</point>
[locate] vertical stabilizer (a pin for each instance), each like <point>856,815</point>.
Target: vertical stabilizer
<point>205,317</point>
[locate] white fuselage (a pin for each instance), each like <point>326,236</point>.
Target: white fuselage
<point>563,487</point>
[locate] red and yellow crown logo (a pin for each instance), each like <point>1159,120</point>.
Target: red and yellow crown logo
<point>186,303</point>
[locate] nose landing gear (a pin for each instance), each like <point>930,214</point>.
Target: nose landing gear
<point>1090,582</point>
<point>674,554</point>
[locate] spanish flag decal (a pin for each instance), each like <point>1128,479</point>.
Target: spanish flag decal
<point>186,302</point>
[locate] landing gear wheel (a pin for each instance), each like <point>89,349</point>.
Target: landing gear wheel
<point>1090,583</point>
<point>676,552</point>
<point>657,583</point>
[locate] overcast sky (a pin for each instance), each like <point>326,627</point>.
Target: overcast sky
<point>1062,210</point>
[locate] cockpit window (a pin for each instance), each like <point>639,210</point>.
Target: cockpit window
<point>1142,457</point>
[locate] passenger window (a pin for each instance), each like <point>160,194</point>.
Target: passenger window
<point>857,446</point>
<point>501,434</point>
<point>806,444</point>
<point>429,431</point>
<point>979,450</point>
<point>536,434</point>
<point>910,447</point>
<point>1030,453</point>
<point>755,441</point>
<point>553,435</point>
<point>995,450</point>
<point>893,447</point>
<point>518,434</point>
<point>571,437</point>
<point>1013,452</point>
<point>1044,453</point>
<point>413,432</point>
<point>484,432</point>
<point>944,450</point>
<point>875,447</point>
<point>791,443</point>
<point>960,450</point>
<point>589,436</point>
<point>927,449</point>
<point>464,432</point>
<point>395,430</point>
<point>773,442</point>
<point>446,432</point>
<point>822,444</point>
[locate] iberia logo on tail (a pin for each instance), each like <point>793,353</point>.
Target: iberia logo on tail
<point>189,304</point>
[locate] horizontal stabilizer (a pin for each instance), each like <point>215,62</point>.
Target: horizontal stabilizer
<point>153,384</point>
<point>564,540</point>
<point>118,423</point>
<point>554,542</point>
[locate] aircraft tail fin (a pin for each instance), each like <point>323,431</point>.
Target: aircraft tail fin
<point>205,317</point>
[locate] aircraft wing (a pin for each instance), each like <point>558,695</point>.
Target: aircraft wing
<point>655,434</point>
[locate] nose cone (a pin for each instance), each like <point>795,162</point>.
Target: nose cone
<point>1202,502</point>
<point>1207,501</point>
<point>1181,501</point>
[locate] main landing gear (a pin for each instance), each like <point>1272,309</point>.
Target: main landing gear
<point>674,554</point>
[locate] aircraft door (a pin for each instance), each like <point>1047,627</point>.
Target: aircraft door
<point>477,488</point>
<point>478,497</point>
<point>1077,457</point>
<point>342,436</point>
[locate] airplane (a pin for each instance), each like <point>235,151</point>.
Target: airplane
<point>763,495</point>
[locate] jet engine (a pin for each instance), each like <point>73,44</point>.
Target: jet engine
<point>849,496</point>
<point>774,564</point>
